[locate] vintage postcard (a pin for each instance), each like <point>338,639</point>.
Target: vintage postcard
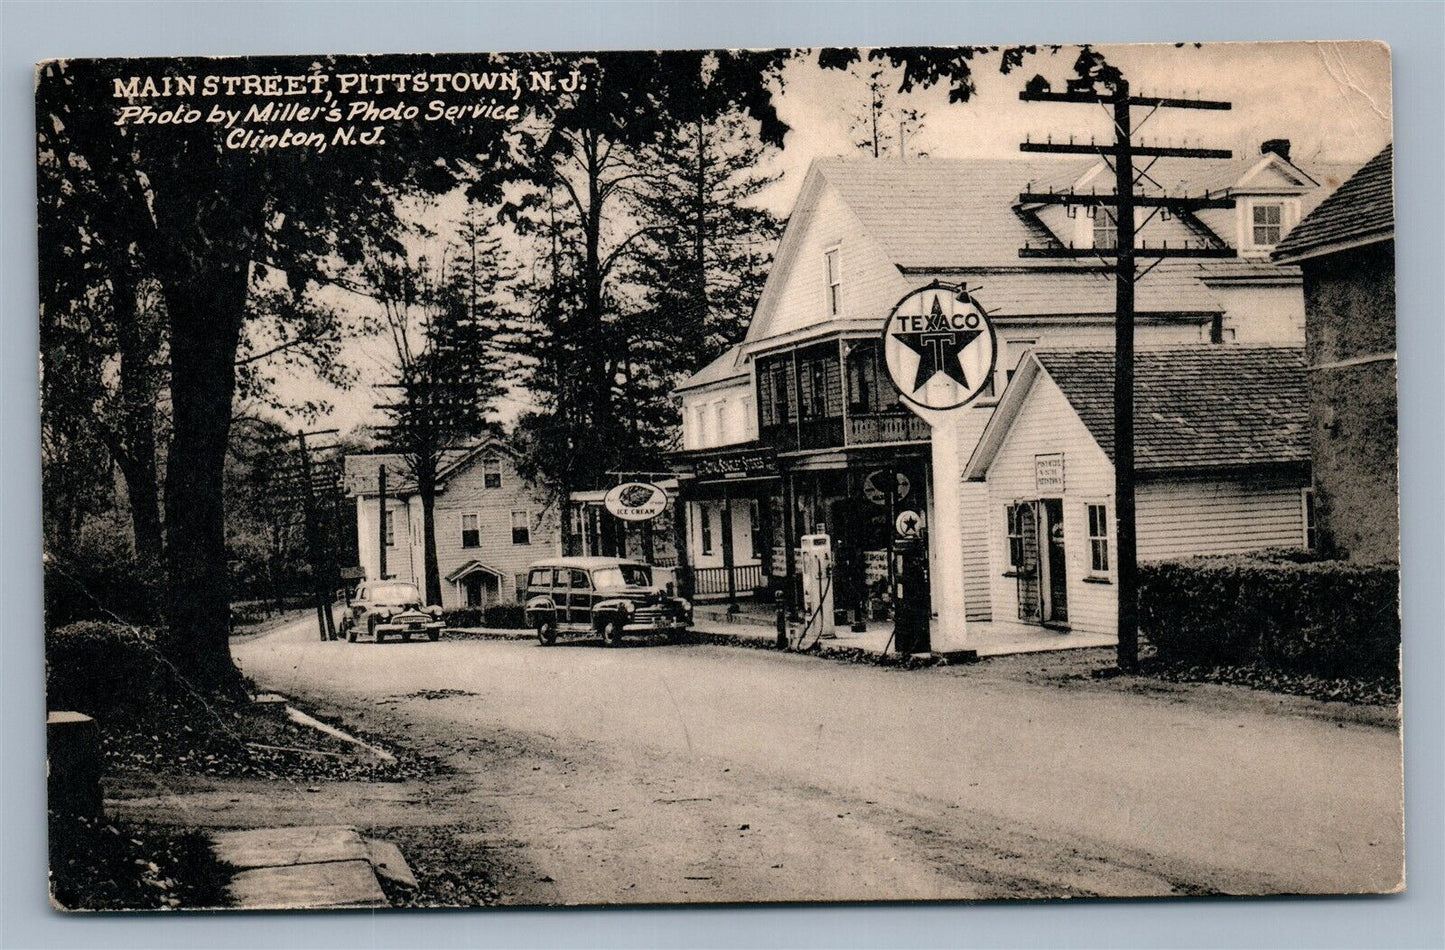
<point>720,476</point>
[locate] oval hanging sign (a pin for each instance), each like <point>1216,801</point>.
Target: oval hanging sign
<point>940,347</point>
<point>635,501</point>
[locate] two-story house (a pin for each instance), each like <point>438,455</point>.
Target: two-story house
<point>490,523</point>
<point>833,448</point>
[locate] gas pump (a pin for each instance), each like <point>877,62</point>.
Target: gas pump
<point>817,569</point>
<point>911,595</point>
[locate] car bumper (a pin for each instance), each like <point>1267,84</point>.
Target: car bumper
<point>654,626</point>
<point>428,627</point>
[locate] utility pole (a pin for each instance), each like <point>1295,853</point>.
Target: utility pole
<point>1120,154</point>
<point>320,572</point>
<point>381,523</point>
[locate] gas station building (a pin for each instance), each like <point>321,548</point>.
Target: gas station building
<point>800,428</point>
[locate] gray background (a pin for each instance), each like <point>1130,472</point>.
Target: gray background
<point>1416,32</point>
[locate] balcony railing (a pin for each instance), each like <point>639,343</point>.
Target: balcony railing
<point>887,427</point>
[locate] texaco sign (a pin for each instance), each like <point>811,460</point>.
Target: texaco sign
<point>940,347</point>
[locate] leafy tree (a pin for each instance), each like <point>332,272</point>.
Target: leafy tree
<point>883,125</point>
<point>441,324</point>
<point>211,225</point>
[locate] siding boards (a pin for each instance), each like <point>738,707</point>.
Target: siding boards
<point>1185,518</point>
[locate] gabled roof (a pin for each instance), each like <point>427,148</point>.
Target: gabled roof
<point>1196,407</point>
<point>1361,211</point>
<point>727,366</point>
<point>360,472</point>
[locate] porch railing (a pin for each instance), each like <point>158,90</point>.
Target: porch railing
<point>713,581</point>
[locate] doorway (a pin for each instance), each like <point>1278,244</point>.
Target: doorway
<point>1042,572</point>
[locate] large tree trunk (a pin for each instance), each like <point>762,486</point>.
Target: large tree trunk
<point>427,489</point>
<point>206,308</point>
<point>134,446</point>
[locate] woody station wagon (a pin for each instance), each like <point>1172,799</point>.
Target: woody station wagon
<point>608,596</point>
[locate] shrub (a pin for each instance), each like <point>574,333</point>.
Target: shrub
<point>1327,618</point>
<point>111,671</point>
<point>498,616</point>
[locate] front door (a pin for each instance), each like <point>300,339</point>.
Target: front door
<point>472,583</point>
<point>1057,603</point>
<point>1027,566</point>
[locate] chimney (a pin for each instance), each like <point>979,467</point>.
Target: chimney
<point>1279,147</point>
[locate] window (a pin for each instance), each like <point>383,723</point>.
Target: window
<point>471,535</point>
<point>1312,534</point>
<point>780,392</point>
<point>719,426</point>
<point>519,584</point>
<point>705,523</point>
<point>521,527</point>
<point>858,388</point>
<point>491,472</point>
<point>818,383</point>
<point>1106,229</point>
<point>388,520</point>
<point>579,580</point>
<point>541,577</point>
<point>1015,536</point>
<point>835,282</point>
<point>1098,539</point>
<point>1268,220</point>
<point>755,534</point>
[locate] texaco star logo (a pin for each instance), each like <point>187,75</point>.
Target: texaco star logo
<point>940,347</point>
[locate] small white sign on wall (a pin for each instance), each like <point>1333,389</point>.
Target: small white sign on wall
<point>1049,473</point>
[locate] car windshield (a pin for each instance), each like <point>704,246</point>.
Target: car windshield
<point>396,594</point>
<point>624,575</point>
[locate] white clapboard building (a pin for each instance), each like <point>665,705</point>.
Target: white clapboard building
<point>798,428</point>
<point>490,523</point>
<point>1221,467</point>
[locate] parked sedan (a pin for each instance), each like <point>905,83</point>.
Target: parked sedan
<point>384,608</point>
<point>602,595</point>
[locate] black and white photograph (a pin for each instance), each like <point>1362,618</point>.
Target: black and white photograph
<point>720,476</point>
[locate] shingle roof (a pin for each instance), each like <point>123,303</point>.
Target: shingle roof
<point>1195,406</point>
<point>726,366</point>
<point>1362,208</point>
<point>359,472</point>
<point>934,212</point>
<point>1077,292</point>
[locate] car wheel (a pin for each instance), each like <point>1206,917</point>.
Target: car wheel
<point>547,632</point>
<point>611,633</point>
<point>350,631</point>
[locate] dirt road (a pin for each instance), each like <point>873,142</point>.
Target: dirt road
<point>656,773</point>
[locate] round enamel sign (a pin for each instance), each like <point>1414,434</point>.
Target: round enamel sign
<point>940,347</point>
<point>635,501</point>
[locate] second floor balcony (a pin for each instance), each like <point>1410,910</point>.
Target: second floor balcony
<point>831,395</point>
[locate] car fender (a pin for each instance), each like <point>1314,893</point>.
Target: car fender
<point>538,605</point>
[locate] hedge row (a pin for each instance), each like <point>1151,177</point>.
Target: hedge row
<point>497,616</point>
<point>111,671</point>
<point>1327,618</point>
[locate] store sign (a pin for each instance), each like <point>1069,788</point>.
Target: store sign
<point>908,524</point>
<point>1049,474</point>
<point>636,501</point>
<point>940,347</point>
<point>875,486</point>
<point>751,465</point>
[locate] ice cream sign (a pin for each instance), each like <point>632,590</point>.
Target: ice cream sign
<point>635,501</point>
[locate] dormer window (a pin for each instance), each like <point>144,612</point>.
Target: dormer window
<point>1267,223</point>
<point>1106,229</point>
<point>835,281</point>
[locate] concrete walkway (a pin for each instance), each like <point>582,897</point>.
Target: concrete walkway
<point>995,638</point>
<point>308,868</point>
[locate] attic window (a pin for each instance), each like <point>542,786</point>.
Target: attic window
<point>491,472</point>
<point>835,282</point>
<point>1268,221</point>
<point>1106,229</point>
